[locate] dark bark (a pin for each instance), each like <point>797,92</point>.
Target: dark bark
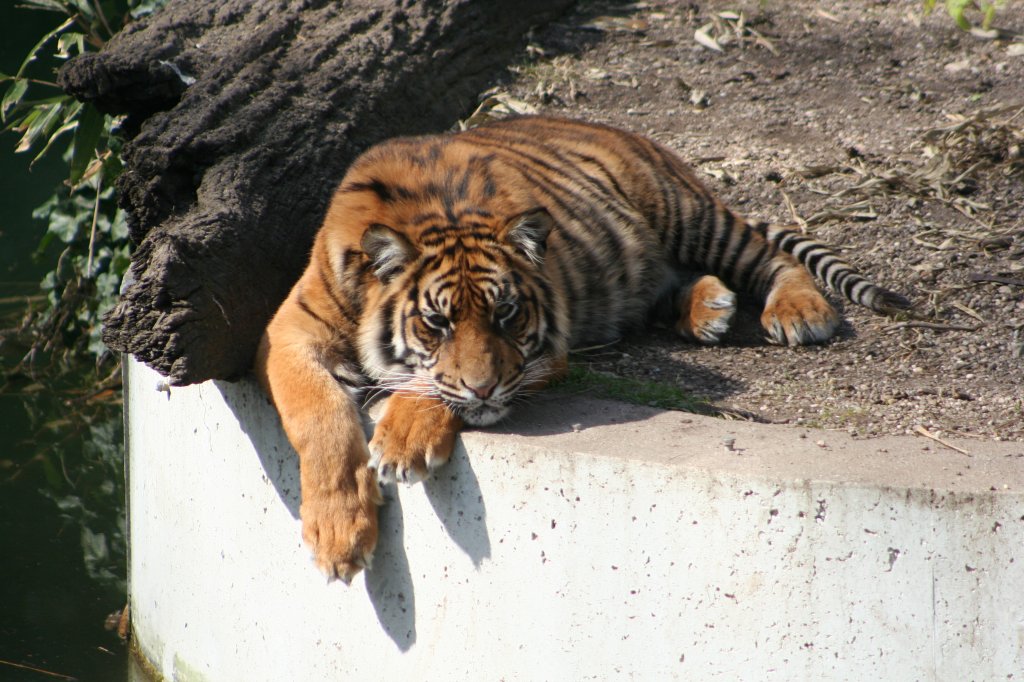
<point>244,115</point>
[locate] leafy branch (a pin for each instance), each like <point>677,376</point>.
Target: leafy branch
<point>83,223</point>
<point>76,445</point>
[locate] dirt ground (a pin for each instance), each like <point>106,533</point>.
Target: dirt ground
<point>894,136</point>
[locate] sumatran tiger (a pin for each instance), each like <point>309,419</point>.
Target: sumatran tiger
<point>457,271</point>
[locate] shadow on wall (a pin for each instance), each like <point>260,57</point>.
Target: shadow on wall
<point>259,421</point>
<point>454,494</point>
<point>389,582</point>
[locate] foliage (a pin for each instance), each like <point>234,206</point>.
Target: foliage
<point>958,10</point>
<point>85,231</point>
<point>51,354</point>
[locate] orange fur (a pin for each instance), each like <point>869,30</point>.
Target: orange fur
<point>706,308</point>
<point>414,436</point>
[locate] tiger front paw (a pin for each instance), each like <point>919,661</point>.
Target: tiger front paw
<point>706,309</point>
<point>415,436</point>
<point>341,527</point>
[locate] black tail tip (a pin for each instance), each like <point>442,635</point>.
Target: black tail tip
<point>890,303</point>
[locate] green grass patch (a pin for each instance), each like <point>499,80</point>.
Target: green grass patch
<point>582,379</point>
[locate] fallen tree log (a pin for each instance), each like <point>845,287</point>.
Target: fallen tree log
<point>243,115</point>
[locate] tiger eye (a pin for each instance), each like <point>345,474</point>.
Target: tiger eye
<point>436,320</point>
<point>503,311</point>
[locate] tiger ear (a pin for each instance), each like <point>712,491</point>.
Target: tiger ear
<point>389,251</point>
<point>529,232</point>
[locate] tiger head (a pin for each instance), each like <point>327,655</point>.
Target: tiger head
<point>464,311</point>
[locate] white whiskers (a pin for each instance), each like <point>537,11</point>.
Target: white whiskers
<point>402,382</point>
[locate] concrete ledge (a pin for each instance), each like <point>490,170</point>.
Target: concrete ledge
<point>585,540</point>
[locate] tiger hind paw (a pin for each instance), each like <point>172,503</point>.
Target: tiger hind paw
<point>799,318</point>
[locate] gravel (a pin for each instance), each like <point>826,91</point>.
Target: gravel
<point>847,126</point>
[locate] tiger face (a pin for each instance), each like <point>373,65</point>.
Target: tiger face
<point>461,313</point>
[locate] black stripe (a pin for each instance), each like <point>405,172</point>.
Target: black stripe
<point>582,251</point>
<point>829,269</point>
<point>790,241</point>
<point>742,278</point>
<point>421,218</point>
<point>309,311</point>
<point>329,288</point>
<point>608,176</point>
<point>812,261</point>
<point>384,337</point>
<point>591,216</point>
<point>473,210</point>
<point>676,240</point>
<point>765,278</point>
<point>724,237</point>
<point>386,193</point>
<point>746,235</point>
<point>845,282</point>
<point>706,232</point>
<point>569,172</point>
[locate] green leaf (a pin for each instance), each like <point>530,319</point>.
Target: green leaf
<point>989,16</point>
<point>53,476</point>
<point>87,136</point>
<point>69,109</point>
<point>49,5</point>
<point>53,138</point>
<point>13,96</point>
<point>31,106</point>
<point>40,127</point>
<point>24,123</point>
<point>956,9</point>
<point>66,226</point>
<point>119,232</point>
<point>112,168</point>
<point>929,5</point>
<point>69,39</point>
<point>31,57</point>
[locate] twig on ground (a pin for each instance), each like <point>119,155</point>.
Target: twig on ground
<point>937,326</point>
<point>792,211</point>
<point>928,434</point>
<point>998,279</point>
<point>968,311</point>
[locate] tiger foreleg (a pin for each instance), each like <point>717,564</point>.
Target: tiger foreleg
<point>705,310</point>
<point>339,493</point>
<point>414,436</point>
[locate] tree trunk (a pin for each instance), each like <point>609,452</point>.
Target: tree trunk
<point>244,115</point>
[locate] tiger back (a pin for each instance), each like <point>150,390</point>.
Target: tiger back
<point>456,271</point>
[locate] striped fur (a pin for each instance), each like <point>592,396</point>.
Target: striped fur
<point>455,272</point>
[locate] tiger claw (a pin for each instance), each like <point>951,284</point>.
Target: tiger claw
<point>347,571</point>
<point>392,473</point>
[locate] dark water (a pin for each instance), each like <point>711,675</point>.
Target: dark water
<point>61,489</point>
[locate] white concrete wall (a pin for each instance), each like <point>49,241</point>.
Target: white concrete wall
<point>585,540</point>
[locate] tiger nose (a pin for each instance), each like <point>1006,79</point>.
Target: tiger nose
<point>482,390</point>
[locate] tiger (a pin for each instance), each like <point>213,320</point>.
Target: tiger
<point>454,273</point>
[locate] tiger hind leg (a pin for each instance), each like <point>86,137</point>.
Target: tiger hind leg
<point>705,310</point>
<point>795,313</point>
